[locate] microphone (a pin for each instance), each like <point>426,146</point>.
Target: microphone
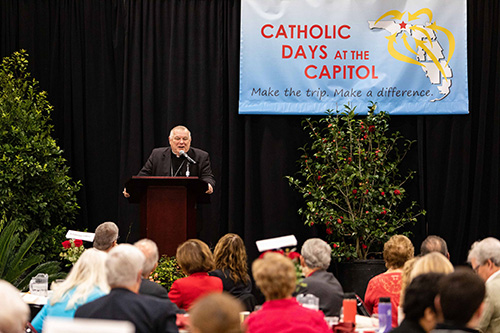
<point>190,160</point>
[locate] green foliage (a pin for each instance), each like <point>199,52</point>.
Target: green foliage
<point>167,271</point>
<point>35,188</point>
<point>350,181</point>
<point>15,266</point>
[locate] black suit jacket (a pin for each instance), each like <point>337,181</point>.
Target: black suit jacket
<point>152,289</point>
<point>327,288</point>
<point>159,163</point>
<point>148,314</point>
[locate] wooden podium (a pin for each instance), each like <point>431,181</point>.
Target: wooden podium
<point>168,208</point>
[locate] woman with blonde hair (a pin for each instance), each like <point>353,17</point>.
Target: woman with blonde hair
<point>196,260</point>
<point>85,282</point>
<point>274,274</point>
<point>231,266</point>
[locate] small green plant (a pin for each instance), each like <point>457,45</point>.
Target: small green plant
<point>35,187</point>
<point>167,272</point>
<point>349,177</point>
<point>15,265</point>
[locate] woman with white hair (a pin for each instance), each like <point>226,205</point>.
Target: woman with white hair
<point>85,282</point>
<point>315,260</point>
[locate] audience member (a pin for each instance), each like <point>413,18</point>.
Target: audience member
<point>418,306</point>
<point>216,313</point>
<point>315,260</point>
<point>14,312</point>
<point>106,236</point>
<point>148,314</point>
<point>484,257</point>
<point>434,244</point>
<point>433,262</point>
<point>274,274</point>
<point>397,250</point>
<point>460,301</point>
<point>150,251</point>
<point>196,260</point>
<point>85,282</point>
<point>231,267</point>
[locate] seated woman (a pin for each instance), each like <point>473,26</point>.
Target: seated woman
<point>397,250</point>
<point>196,260</point>
<point>85,282</point>
<point>231,267</point>
<point>275,276</point>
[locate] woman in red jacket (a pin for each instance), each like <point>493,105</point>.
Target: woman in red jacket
<point>196,260</point>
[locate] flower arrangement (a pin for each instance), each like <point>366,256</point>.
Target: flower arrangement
<point>72,250</point>
<point>350,181</point>
<point>167,271</point>
<point>294,257</point>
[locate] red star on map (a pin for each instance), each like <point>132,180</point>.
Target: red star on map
<point>402,25</point>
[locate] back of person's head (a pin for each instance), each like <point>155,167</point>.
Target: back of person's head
<point>316,253</point>
<point>434,244</point>
<point>230,254</point>
<point>194,256</point>
<point>397,250</point>
<point>420,295</point>
<point>488,248</point>
<point>106,235</point>
<point>14,312</point>
<point>274,274</point>
<point>123,265</point>
<point>432,262</point>
<point>216,313</point>
<point>150,251</point>
<point>88,273</point>
<point>461,293</point>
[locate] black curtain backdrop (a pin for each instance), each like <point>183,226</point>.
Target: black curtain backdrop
<point>122,73</point>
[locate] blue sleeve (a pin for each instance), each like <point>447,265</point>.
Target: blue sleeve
<point>37,322</point>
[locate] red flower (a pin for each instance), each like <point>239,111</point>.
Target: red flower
<point>319,177</point>
<point>66,244</point>
<point>78,242</point>
<point>339,220</point>
<point>354,191</point>
<point>312,223</point>
<point>383,212</point>
<point>366,192</point>
<point>383,193</point>
<point>335,245</point>
<point>329,231</point>
<point>293,255</point>
<point>397,192</point>
<point>364,246</point>
<point>371,128</point>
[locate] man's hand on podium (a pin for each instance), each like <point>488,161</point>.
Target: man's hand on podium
<point>125,193</point>
<point>210,189</point>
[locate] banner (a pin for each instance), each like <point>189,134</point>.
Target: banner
<point>308,56</point>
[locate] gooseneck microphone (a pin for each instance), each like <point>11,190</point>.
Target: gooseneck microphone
<point>190,160</point>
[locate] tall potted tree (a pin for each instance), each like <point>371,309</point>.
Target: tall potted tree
<point>350,180</point>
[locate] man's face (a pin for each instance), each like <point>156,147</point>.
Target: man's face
<point>481,270</point>
<point>180,140</point>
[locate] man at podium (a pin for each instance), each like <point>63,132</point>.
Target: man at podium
<point>180,159</point>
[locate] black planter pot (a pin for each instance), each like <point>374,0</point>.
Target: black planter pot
<point>354,275</point>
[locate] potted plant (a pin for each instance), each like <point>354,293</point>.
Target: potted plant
<point>350,180</point>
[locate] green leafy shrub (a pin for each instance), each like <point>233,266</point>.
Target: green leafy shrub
<point>35,188</point>
<point>15,266</point>
<point>349,177</point>
<point>167,272</point>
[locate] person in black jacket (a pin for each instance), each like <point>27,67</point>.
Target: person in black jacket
<point>150,251</point>
<point>315,259</point>
<point>148,314</point>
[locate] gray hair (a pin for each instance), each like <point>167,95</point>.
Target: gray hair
<point>434,244</point>
<point>123,264</point>
<point>105,234</point>
<point>179,127</point>
<point>317,253</point>
<point>488,248</point>
<point>150,251</point>
<point>15,312</point>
